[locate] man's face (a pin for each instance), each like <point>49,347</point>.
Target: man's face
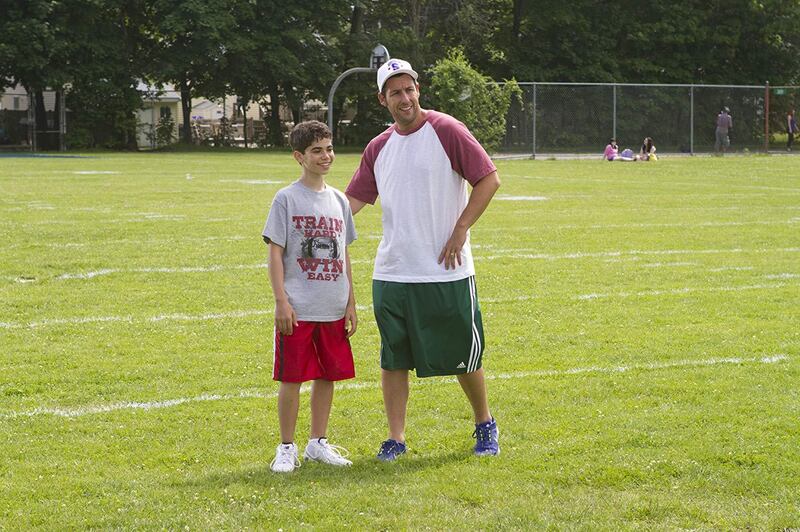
<point>401,97</point>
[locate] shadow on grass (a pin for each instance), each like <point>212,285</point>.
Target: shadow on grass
<point>364,469</point>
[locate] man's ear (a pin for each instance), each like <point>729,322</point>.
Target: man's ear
<point>298,157</point>
<point>382,99</point>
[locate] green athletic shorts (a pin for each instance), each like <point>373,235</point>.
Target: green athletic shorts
<point>435,328</point>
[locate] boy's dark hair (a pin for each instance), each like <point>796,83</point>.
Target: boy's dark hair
<point>307,133</point>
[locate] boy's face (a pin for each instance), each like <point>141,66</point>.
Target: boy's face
<point>318,157</point>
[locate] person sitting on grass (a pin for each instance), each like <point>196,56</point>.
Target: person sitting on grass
<point>648,150</point>
<point>612,150</point>
<point>308,229</point>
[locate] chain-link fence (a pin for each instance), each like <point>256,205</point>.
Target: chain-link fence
<point>582,117</point>
<point>32,121</point>
<point>551,118</point>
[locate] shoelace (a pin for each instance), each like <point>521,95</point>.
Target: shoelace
<point>285,455</point>
<point>483,433</point>
<point>388,446</point>
<point>335,449</point>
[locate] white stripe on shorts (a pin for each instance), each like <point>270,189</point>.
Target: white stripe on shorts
<point>475,352</point>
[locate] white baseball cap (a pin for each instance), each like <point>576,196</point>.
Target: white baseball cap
<point>393,67</point>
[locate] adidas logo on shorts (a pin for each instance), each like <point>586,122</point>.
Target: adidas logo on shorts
<point>461,366</point>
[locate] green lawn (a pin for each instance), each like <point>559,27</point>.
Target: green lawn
<point>642,322</point>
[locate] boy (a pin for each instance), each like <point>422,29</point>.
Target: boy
<point>308,230</point>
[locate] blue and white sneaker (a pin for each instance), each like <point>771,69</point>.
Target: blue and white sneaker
<point>391,450</point>
<point>487,436</point>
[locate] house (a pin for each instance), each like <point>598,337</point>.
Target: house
<point>157,105</point>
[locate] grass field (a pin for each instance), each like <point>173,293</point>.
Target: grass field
<point>643,330</point>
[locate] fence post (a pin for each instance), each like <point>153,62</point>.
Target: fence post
<point>691,120</point>
<point>62,120</point>
<point>32,134</point>
<point>766,118</point>
<point>534,121</point>
<point>614,119</point>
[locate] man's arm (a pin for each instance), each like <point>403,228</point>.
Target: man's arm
<point>355,204</point>
<point>479,199</point>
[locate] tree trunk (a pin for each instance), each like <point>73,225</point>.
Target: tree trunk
<point>186,107</point>
<point>42,138</point>
<point>275,130</point>
<point>244,103</point>
<point>357,19</point>
<point>57,123</point>
<point>519,6</point>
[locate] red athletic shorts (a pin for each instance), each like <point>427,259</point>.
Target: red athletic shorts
<point>314,350</point>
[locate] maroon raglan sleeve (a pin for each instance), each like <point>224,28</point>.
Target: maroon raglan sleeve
<point>467,156</point>
<point>363,186</point>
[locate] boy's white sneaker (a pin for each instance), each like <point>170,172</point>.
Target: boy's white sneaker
<point>319,450</point>
<point>285,458</point>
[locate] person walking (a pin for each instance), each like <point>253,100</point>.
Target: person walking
<point>424,291</point>
<point>722,133</point>
<point>791,129</point>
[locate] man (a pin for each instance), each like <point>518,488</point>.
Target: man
<point>423,287</point>
<point>791,129</point>
<point>724,125</point>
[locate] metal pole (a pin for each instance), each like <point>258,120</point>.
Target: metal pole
<point>766,118</point>
<point>534,120</point>
<point>614,132</point>
<point>62,121</point>
<point>336,84</point>
<point>32,141</point>
<point>691,120</point>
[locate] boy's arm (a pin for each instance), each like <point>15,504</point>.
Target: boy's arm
<point>285,317</point>
<point>350,318</point>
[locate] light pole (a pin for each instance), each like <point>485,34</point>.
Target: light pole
<point>379,56</point>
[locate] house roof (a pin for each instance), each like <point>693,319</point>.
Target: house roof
<point>152,93</point>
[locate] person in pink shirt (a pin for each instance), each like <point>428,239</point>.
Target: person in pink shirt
<point>612,150</point>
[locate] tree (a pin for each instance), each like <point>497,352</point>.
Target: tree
<point>463,92</point>
<point>87,45</point>
<point>188,39</point>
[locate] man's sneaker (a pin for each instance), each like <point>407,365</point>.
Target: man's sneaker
<point>319,450</point>
<point>391,450</point>
<point>285,458</point>
<point>487,436</point>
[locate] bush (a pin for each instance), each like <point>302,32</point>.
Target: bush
<point>461,91</point>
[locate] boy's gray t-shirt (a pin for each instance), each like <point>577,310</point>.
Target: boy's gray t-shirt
<point>314,228</point>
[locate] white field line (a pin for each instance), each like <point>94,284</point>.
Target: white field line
<point>137,242</point>
<point>668,264</point>
<point>260,312</point>
<point>502,197</point>
<point>183,269</point>
<point>539,228</point>
<point>253,394</point>
<point>234,314</point>
<point>378,236</point>
<point>690,184</point>
<point>644,293</point>
<point>520,253</point>
<point>681,291</point>
<point>253,181</point>
<point>96,172</point>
